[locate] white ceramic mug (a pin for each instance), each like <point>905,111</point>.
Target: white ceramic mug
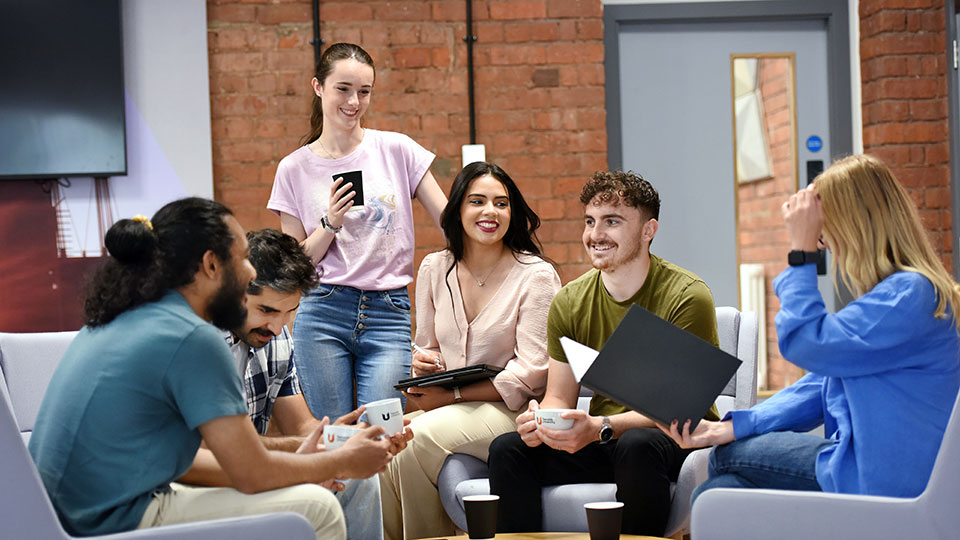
<point>335,436</point>
<point>550,418</point>
<point>386,413</point>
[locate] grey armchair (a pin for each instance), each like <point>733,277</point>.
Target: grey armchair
<point>464,475</point>
<point>27,362</point>
<point>743,514</point>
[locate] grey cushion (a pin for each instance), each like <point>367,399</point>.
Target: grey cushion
<point>28,362</point>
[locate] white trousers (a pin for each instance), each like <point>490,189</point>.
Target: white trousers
<point>408,488</point>
<point>184,504</point>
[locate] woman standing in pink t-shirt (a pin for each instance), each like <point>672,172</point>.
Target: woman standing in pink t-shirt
<point>355,326</point>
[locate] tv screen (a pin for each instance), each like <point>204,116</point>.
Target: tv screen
<point>61,95</point>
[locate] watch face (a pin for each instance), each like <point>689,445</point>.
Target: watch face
<point>795,258</point>
<point>606,433</point>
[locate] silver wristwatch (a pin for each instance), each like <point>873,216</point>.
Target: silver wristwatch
<point>606,430</point>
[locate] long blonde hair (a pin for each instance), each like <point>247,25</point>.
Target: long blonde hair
<point>873,229</point>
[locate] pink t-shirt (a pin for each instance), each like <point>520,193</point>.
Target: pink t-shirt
<point>374,251</point>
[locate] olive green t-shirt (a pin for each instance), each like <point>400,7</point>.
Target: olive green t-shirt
<point>585,312</point>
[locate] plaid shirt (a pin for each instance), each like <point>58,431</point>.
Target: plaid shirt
<point>268,373</point>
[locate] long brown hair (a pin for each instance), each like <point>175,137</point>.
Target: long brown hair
<point>873,228</point>
<point>335,52</point>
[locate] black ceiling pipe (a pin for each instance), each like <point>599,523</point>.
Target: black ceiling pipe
<point>316,41</point>
<point>470,38</point>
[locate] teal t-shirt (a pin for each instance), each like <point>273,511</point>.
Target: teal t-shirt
<point>119,419</point>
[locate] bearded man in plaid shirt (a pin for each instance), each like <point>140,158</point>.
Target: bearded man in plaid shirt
<point>264,352</point>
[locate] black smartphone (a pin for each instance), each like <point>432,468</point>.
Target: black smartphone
<point>356,178</point>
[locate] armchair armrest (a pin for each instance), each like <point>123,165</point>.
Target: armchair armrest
<point>736,514</point>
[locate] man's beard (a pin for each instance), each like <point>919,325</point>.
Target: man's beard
<point>611,264</point>
<point>226,309</point>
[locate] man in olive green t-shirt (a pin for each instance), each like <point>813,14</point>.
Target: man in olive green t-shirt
<point>611,443</point>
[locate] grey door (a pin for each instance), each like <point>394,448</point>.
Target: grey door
<point>675,117</point>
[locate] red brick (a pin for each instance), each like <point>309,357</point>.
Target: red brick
<point>244,152</point>
<point>517,54</point>
<point>236,61</point>
<point>928,110</point>
<point>404,34</point>
<point>883,66</point>
<point>575,53</point>
<point>576,97</point>
<point>246,196</point>
<point>263,83</point>
<point>344,12</point>
<point>924,132</point>
<point>409,10</point>
<point>448,11</point>
<point>590,29</point>
<point>568,30</point>
<point>518,9</point>
<point>412,58</point>
<point>284,13</point>
<point>434,123</point>
<point>270,128</point>
<point>237,174</point>
<point>936,153</point>
<point>290,59</point>
<point>884,21</point>
<point>228,38</point>
<point>227,83</point>
<point>575,8</point>
<point>530,31</point>
<point>436,34</point>
<point>230,13</point>
<point>489,32</point>
<point>292,41</point>
<point>238,105</point>
<point>899,44</point>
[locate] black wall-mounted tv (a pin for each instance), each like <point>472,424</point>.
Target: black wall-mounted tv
<point>61,89</point>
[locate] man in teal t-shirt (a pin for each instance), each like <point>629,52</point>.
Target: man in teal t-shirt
<point>149,377</point>
<point>611,443</point>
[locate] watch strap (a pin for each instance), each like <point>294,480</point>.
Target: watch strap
<point>329,228</point>
<point>798,257</point>
<point>457,398</point>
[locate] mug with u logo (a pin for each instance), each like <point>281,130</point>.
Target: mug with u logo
<point>386,413</point>
<point>335,436</point>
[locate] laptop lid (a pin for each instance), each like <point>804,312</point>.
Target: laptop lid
<point>655,368</point>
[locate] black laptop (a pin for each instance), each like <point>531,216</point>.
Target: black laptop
<point>449,379</point>
<point>659,370</point>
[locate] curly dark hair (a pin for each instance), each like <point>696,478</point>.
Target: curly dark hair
<point>614,187</point>
<point>145,263</point>
<point>280,262</point>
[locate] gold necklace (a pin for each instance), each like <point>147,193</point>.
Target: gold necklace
<point>324,148</point>
<point>481,282</point>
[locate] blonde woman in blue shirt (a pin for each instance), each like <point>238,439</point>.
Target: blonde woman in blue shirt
<point>884,371</point>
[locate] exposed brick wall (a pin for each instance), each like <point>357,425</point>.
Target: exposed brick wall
<point>761,231</point>
<point>903,67</point>
<point>539,96</point>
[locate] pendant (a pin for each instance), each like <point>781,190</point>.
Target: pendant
<point>479,283</point>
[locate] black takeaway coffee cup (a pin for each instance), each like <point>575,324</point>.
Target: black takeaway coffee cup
<point>481,513</point>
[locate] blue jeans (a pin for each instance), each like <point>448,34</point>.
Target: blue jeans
<point>776,460</point>
<point>361,508</point>
<point>342,335</point>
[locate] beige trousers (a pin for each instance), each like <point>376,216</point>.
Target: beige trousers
<point>185,504</point>
<point>408,488</point>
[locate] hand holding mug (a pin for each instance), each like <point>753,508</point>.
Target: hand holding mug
<point>527,425</point>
